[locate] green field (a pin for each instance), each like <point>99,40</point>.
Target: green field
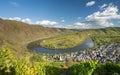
<point>62,42</point>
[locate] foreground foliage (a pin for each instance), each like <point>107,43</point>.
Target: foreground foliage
<point>9,65</point>
<point>107,69</point>
<point>93,68</point>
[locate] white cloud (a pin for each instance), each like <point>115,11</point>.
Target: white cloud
<point>52,24</point>
<point>102,17</point>
<point>15,18</point>
<point>103,6</point>
<point>91,3</point>
<point>62,20</point>
<point>46,22</point>
<point>26,20</point>
<point>81,25</point>
<point>15,4</point>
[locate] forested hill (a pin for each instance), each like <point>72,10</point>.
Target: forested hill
<point>18,33</point>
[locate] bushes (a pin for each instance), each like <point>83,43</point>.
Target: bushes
<point>11,66</point>
<point>83,68</point>
<point>52,70</point>
<point>23,67</point>
<point>45,68</point>
<point>107,69</point>
<point>6,61</point>
<point>93,68</point>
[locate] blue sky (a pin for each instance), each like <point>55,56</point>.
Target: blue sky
<point>63,13</point>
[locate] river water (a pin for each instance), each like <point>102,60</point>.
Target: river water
<point>86,44</point>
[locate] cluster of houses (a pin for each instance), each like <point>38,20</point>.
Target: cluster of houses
<point>105,53</point>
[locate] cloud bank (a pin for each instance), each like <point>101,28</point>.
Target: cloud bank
<point>46,23</point>
<point>105,15</point>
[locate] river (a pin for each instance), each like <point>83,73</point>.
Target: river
<point>86,44</point>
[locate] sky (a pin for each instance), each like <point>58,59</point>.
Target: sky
<point>73,14</point>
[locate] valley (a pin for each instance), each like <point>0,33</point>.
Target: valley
<point>60,37</point>
<point>17,39</point>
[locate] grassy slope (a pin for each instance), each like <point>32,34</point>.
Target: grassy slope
<point>66,41</point>
<point>72,40</point>
<point>104,36</point>
<point>17,32</point>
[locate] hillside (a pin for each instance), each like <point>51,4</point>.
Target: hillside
<point>72,40</point>
<point>18,33</point>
